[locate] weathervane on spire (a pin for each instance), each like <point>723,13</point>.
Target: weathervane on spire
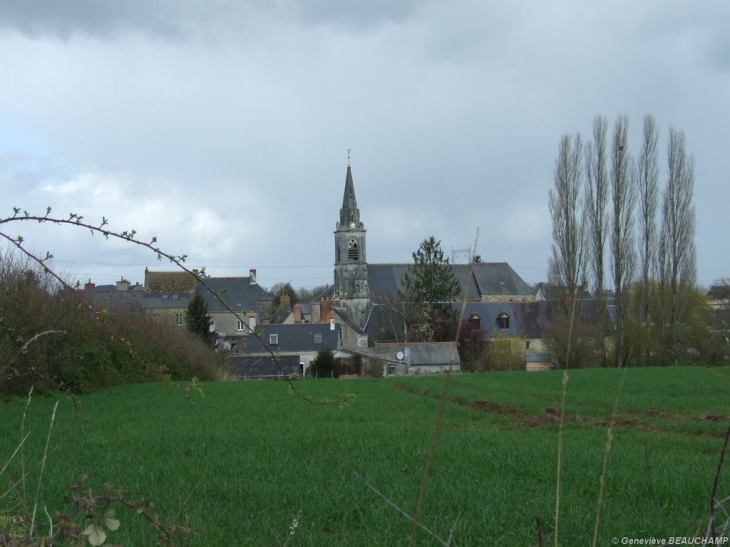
<point>348,156</point>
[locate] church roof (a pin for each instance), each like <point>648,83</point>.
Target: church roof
<point>498,278</point>
<point>484,278</point>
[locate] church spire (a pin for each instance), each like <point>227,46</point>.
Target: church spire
<point>349,214</point>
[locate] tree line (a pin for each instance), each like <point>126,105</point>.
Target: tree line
<point>633,243</point>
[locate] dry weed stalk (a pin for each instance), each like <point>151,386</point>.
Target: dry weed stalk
<point>609,440</point>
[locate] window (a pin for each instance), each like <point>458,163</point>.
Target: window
<point>353,253</point>
<point>241,325</point>
<point>503,321</point>
<point>391,370</point>
<point>178,319</point>
<point>273,339</point>
<point>527,345</point>
<point>317,338</point>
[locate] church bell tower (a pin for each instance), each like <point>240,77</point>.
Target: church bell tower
<point>351,268</point>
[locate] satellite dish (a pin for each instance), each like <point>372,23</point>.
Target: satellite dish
<point>399,355</point>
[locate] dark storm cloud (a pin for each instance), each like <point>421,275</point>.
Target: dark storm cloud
<point>165,19</point>
<point>99,19</point>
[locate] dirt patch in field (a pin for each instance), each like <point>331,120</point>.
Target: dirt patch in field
<point>497,408</point>
<point>717,418</point>
<point>551,415</point>
<point>622,422</point>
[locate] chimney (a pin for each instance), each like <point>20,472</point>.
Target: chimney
<point>285,301</point>
<point>252,274</point>
<point>89,286</point>
<point>122,285</point>
<point>325,310</point>
<point>251,320</point>
<point>297,313</point>
<point>195,271</point>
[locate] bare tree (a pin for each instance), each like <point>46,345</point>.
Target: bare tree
<point>648,190</point>
<point>402,319</point>
<point>596,199</point>
<point>623,174</point>
<point>677,247</point>
<point>566,265</point>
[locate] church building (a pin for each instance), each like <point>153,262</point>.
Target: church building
<point>358,285</point>
<point>351,267</point>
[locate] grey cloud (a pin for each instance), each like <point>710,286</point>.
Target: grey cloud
<point>23,171</point>
<point>173,20</point>
<point>95,18</point>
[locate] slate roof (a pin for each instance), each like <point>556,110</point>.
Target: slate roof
<point>347,320</point>
<point>529,319</point>
<point>238,292</point>
<point>167,300</point>
<point>488,313</point>
<point>263,367</point>
<point>532,318</point>
<point>484,278</point>
<point>293,338</point>
<point>106,297</point>
<point>169,282</point>
<point>548,292</point>
<point>718,292</point>
<point>422,353</point>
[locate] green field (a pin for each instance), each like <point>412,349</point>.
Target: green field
<point>252,456</point>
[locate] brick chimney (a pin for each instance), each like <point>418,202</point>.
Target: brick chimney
<point>325,310</point>
<point>285,301</point>
<point>252,275</point>
<point>297,313</point>
<point>89,286</point>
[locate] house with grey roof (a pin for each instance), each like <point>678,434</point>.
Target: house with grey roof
<point>415,357</point>
<point>249,302</point>
<point>302,340</point>
<point>123,297</point>
<point>264,367</point>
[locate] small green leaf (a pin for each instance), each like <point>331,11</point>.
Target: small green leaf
<point>97,536</point>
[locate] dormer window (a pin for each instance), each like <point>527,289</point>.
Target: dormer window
<point>503,321</point>
<point>353,252</point>
<point>475,321</point>
<point>273,339</point>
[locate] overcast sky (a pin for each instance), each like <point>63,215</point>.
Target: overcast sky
<point>222,127</point>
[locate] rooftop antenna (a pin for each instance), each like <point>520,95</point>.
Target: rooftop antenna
<point>460,252</point>
<point>348,156</point>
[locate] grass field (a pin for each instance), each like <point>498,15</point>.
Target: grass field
<point>251,457</point>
